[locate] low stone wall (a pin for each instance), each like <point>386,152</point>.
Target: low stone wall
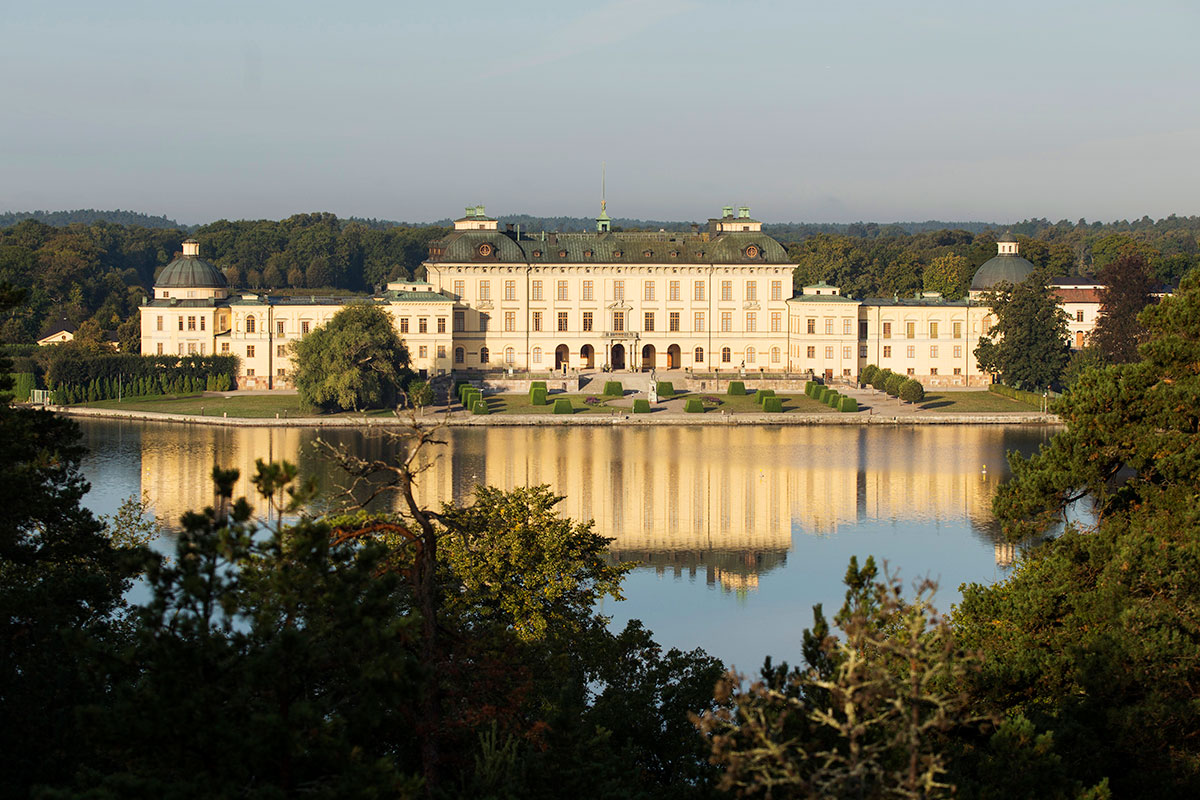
<point>720,385</point>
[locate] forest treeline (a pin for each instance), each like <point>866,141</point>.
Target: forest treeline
<point>95,269</point>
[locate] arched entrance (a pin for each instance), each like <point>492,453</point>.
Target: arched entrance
<point>618,357</point>
<point>587,357</point>
<point>649,358</point>
<point>674,357</point>
<point>562,356</point>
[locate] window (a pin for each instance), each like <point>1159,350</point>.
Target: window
<point>698,321</point>
<point>673,290</point>
<point>933,351</point>
<point>726,321</point>
<point>160,347</point>
<point>829,354</point>
<point>510,290</point>
<point>280,350</point>
<point>535,291</point>
<point>828,327</point>
<point>987,326</point>
<point>811,326</point>
<point>562,291</point>
<point>776,290</point>
<point>958,330</point>
<point>958,351</point>
<point>250,324</point>
<point>441,322</point>
<point>775,353</point>
<point>441,351</point>
<point>404,324</point>
<point>750,355</point>
<point>202,323</point>
<point>1079,315</point>
<point>537,355</point>
<point>510,355</point>
<point>484,355</point>
<point>933,370</point>
<point>280,326</point>
<point>751,293</point>
<point>698,290</point>
<point>587,320</point>
<point>510,321</point>
<point>618,321</point>
<point>587,290</point>
<point>648,319</point>
<point>249,351</point>
<point>648,291</point>
<point>191,323</point>
<point>537,320</point>
<point>460,288</point>
<point>698,356</point>
<point>751,322</point>
<point>862,329</point>
<point>423,351</point>
<point>673,321</point>
<point>910,371</point>
<point>249,373</point>
<point>933,330</point>
<point>911,352</point>
<point>460,355</point>
<point>460,321</point>
<point>726,291</point>
<point>423,325</point>
<point>776,322</point>
<point>562,320</point>
<point>618,290</point>
<point>483,323</point>
<point>958,370</point>
<point>862,351</point>
<point>910,330</point>
<point>847,327</point>
<point>304,328</point>
<point>887,351</point>
<point>846,353</point>
<point>485,290</point>
<point>224,348</point>
<point>811,351</point>
<point>726,355</point>
<point>158,323</point>
<point>887,330</point>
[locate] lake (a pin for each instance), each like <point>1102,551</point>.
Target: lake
<point>737,531</point>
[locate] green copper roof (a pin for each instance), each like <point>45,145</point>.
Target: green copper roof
<point>1006,267</point>
<point>191,272</point>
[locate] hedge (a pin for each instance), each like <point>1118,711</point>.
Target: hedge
<point>773,405</point>
<point>833,399</point>
<point>563,406</point>
<point>537,396</point>
<point>810,387</point>
<point>480,406</point>
<point>823,394</point>
<point>665,389</point>
<point>86,377</point>
<point>694,405</point>
<point>23,385</point>
<point>641,406</point>
<point>613,389</point>
<point>470,395</point>
<point>1030,398</point>
<point>736,388</point>
<point>848,404</point>
<point>762,394</point>
<point>537,385</point>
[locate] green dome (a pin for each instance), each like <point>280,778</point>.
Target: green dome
<point>190,272</point>
<point>1007,267</point>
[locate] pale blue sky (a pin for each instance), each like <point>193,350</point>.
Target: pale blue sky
<point>830,111</point>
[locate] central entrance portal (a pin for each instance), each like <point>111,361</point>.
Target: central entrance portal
<point>618,357</point>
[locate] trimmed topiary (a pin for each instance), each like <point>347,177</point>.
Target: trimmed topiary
<point>823,395</point>
<point>641,406</point>
<point>470,396</point>
<point>665,389</point>
<point>736,388</point>
<point>894,382</point>
<point>613,389</point>
<point>694,405</point>
<point>563,406</point>
<point>832,400</point>
<point>773,405</point>
<point>480,407</point>
<point>911,391</point>
<point>763,394</point>
<point>537,396</point>
<point>848,404</point>
<point>537,385</point>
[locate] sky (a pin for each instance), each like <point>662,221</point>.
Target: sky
<point>833,111</point>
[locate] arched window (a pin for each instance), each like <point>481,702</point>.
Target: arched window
<point>460,355</point>
<point>249,324</point>
<point>750,354</point>
<point>537,355</point>
<point>726,355</point>
<point>484,356</point>
<point>699,355</point>
<point>510,355</point>
<point>774,355</point>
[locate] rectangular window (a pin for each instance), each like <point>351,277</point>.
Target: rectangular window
<point>423,325</point>
<point>751,291</point>
<point>958,370</point>
<point>648,319</point>
<point>1079,315</point>
<point>698,321</point>
<point>249,373</point>
<point>673,321</point>
<point>483,323</point>
<point>510,321</point>
<point>281,372</point>
<point>648,291</point>
<point>404,324</point>
<point>304,328</point>
<point>587,320</point>
<point>958,351</point>
<point>460,321</point>
<point>862,351</point>
<point>776,322</point>
<point>910,371</point>
<point>811,352</point>
<point>158,325</point>
<point>510,290</point>
<point>933,330</point>
<point>776,290</point>
<point>485,290</point>
<point>279,327</point>
<point>618,321</point>
<point>933,351</point>
<point>911,352</point>
<point>250,324</point>
<point>460,288</point>
<point>441,351</point>
<point>441,324</point>
<point>933,370</point>
<point>202,323</point>
<point>535,290</point>
<point>829,354</point>
<point>562,320</point>
<point>562,291</point>
<point>811,326</point>
<point>191,323</point>
<point>887,351</point>
<point>846,353</point>
<point>673,290</point>
<point>726,291</point>
<point>280,350</point>
<point>160,347</point>
<point>847,327</point>
<point>618,290</point>
<point>698,291</point>
<point>828,327</point>
<point>958,330</point>
<point>249,351</point>
<point>423,351</point>
<point>862,329</point>
<point>537,320</point>
<point>910,330</point>
<point>751,322</point>
<point>460,355</point>
<point>587,290</point>
<point>726,321</point>
<point>887,330</point>
<point>224,348</point>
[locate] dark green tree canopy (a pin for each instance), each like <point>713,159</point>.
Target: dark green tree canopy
<point>1128,288</point>
<point>356,361</point>
<point>1027,347</point>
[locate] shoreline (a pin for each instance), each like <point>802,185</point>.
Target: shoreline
<point>465,420</point>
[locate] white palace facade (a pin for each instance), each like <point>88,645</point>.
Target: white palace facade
<point>718,300</point>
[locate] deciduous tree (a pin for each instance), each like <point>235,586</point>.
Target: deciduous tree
<point>1027,347</point>
<point>355,361</point>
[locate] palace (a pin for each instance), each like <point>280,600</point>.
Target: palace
<point>713,300</point>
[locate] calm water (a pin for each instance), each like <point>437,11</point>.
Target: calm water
<point>739,531</point>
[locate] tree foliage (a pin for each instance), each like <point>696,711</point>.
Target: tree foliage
<point>1127,289</point>
<point>1027,347</point>
<point>355,361</point>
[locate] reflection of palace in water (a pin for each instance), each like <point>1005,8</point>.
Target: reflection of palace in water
<point>725,501</point>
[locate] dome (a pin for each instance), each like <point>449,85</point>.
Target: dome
<point>190,271</point>
<point>1007,267</point>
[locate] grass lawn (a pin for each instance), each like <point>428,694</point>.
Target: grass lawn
<point>249,406</point>
<point>983,402</point>
<point>744,404</point>
<point>518,403</point>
